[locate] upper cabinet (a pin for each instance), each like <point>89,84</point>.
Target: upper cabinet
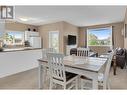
<point>29,34</point>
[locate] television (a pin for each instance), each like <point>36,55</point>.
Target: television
<point>71,40</point>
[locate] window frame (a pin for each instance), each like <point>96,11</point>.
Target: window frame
<point>98,29</point>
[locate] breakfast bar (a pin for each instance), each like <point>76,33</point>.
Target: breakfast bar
<point>13,61</point>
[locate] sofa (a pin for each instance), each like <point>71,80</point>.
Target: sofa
<point>74,51</point>
<point>121,57</point>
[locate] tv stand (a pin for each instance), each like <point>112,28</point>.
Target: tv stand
<point>69,47</point>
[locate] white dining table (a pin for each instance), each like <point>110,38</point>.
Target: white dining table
<point>86,66</point>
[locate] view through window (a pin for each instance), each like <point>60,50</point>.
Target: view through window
<point>14,38</point>
<point>99,37</point>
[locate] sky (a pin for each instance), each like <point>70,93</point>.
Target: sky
<point>101,33</point>
<point>1,33</point>
<point>17,35</point>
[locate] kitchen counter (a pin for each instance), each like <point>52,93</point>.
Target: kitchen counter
<point>18,49</point>
<point>17,60</point>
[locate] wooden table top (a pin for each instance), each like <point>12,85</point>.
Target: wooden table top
<point>92,64</point>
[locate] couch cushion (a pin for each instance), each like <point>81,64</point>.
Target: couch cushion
<point>120,52</point>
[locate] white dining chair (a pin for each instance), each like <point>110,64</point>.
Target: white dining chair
<point>47,50</point>
<point>52,50</point>
<point>58,74</point>
<point>103,78</point>
<point>82,52</point>
<point>44,53</point>
<point>104,55</point>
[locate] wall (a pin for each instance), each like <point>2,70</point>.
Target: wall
<point>2,28</point>
<point>125,39</point>
<point>16,26</point>
<point>64,29</point>
<point>118,37</point>
<point>69,29</point>
<point>44,30</point>
<point>82,36</point>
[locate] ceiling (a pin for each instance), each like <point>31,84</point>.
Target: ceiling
<point>76,15</point>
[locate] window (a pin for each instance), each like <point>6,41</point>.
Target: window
<point>99,37</point>
<point>1,36</point>
<point>14,38</point>
<point>54,40</point>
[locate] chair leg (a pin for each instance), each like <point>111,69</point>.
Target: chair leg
<point>76,83</point>
<point>54,85</point>
<point>125,66</point>
<point>108,85</point>
<point>64,87</point>
<point>51,84</point>
<point>81,83</point>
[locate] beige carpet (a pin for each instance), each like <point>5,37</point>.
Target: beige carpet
<point>29,80</point>
<point>119,81</point>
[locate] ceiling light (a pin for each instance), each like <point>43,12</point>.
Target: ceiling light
<point>23,19</point>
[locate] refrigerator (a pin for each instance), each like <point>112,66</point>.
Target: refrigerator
<point>33,38</point>
<point>35,42</point>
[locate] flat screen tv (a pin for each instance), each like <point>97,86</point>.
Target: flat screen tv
<point>71,40</point>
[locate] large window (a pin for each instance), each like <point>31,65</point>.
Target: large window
<point>99,37</point>
<point>14,38</point>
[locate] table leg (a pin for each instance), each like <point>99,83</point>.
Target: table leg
<point>95,83</point>
<point>114,67</point>
<point>79,82</point>
<point>40,76</point>
<point>44,75</point>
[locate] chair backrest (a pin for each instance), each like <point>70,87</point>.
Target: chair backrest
<point>48,50</point>
<point>52,50</point>
<point>44,53</point>
<point>56,66</point>
<point>82,51</point>
<point>108,66</point>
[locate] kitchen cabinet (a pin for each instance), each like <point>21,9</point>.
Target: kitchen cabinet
<point>18,61</point>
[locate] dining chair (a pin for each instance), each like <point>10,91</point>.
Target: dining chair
<point>103,78</point>
<point>44,53</point>
<point>51,50</point>
<point>104,55</point>
<point>82,52</point>
<point>58,74</point>
<point>47,50</point>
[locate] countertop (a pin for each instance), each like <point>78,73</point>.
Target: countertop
<point>18,49</point>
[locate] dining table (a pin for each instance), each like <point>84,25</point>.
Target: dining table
<point>113,61</point>
<point>86,66</point>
